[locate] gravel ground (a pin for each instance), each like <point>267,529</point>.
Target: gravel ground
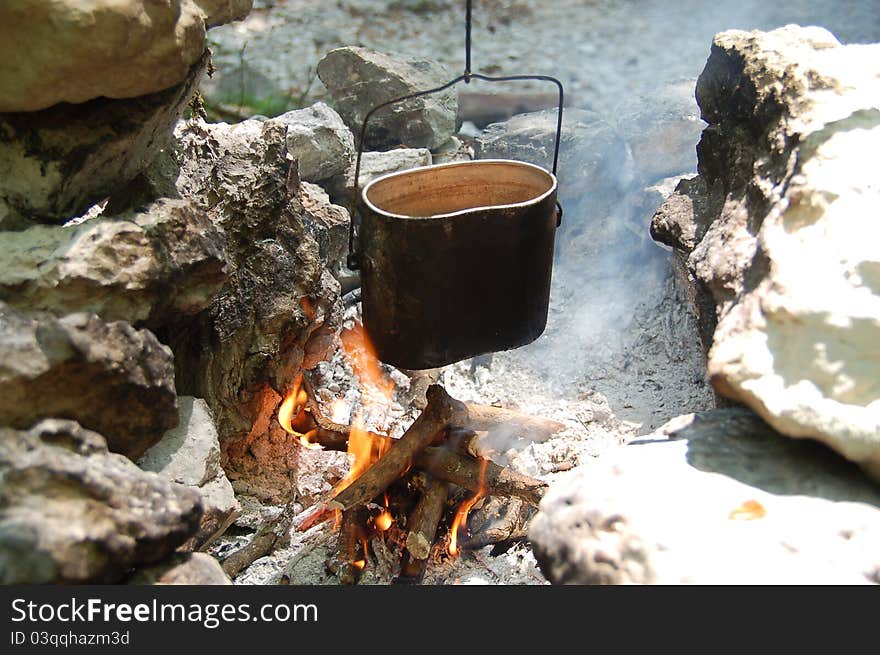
<point>602,50</point>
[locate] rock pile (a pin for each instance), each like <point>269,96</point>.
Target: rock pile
<point>777,229</point>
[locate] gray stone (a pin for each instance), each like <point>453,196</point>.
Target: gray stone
<point>662,129</point>
<point>594,167</point>
<point>453,150</point>
<point>281,311</point>
<point>190,455</point>
<point>220,12</point>
<point>328,225</point>
<point>375,164</point>
<point>107,376</point>
<point>319,141</point>
<point>776,228</point>
<point>58,162</point>
<point>162,263</point>
<point>360,79</point>
<point>158,180</point>
<point>183,569</point>
<point>712,498</point>
<point>70,512</point>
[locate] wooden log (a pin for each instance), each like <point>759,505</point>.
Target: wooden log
<point>273,533</point>
<point>490,419</point>
<point>478,418</point>
<point>425,518</point>
<point>464,471</point>
<point>349,559</point>
<point>497,521</point>
<point>441,411</point>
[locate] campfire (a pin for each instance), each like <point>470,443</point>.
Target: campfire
<point>410,499</point>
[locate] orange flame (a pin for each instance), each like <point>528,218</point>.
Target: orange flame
<point>363,449</point>
<point>384,520</point>
<point>361,355</point>
<point>291,409</point>
<point>748,511</point>
<point>461,513</point>
<point>362,563</point>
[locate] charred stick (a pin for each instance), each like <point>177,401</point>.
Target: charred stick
<point>425,519</point>
<point>465,472</point>
<point>350,558</point>
<point>271,534</point>
<point>411,570</point>
<point>441,411</point>
<point>498,521</point>
<point>480,418</point>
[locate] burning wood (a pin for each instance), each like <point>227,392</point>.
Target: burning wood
<point>425,519</point>
<point>350,558</point>
<point>443,454</point>
<point>464,471</point>
<point>441,412</point>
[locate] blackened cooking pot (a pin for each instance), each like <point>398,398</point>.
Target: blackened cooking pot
<point>456,260</point>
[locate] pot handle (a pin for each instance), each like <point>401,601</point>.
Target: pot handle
<point>353,257</point>
<point>353,260</point>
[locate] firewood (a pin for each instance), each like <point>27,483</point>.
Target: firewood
<point>349,558</point>
<point>479,418</point>
<point>464,471</point>
<point>441,411</point>
<point>271,534</point>
<point>489,418</point>
<point>498,521</point>
<point>425,519</point>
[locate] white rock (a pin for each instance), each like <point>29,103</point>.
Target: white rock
<point>373,165</point>
<point>713,498</point>
<point>319,141</point>
<point>190,455</point>
<point>81,49</point>
<point>360,79</point>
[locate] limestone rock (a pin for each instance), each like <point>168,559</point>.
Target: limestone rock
<point>783,218</point>
<point>58,162</point>
<point>190,455</point>
<point>107,376</point>
<point>281,311</point>
<point>375,164</point>
<point>319,141</point>
<point>453,150</point>
<point>270,465</point>
<point>74,513</point>
<point>220,12</point>
<point>329,224</point>
<point>712,498</point>
<point>165,261</point>
<point>359,79</point>
<point>182,569</point>
<point>82,49</point>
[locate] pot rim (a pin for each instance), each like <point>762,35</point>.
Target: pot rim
<point>470,162</point>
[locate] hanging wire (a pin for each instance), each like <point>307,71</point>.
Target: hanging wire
<point>353,259</point>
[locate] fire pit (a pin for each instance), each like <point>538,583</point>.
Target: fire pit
<point>407,500</point>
